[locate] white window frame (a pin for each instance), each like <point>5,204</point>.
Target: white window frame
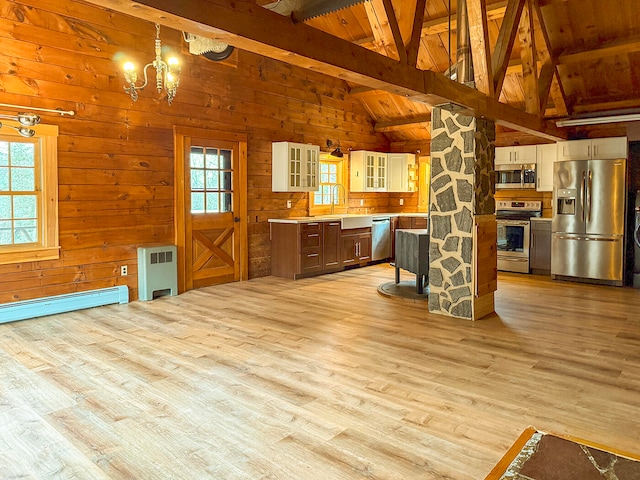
<point>342,173</point>
<point>48,246</point>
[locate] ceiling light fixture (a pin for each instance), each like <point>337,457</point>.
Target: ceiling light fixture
<point>575,122</point>
<point>25,120</point>
<point>167,73</point>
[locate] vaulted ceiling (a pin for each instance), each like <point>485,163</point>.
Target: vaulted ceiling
<point>535,61</point>
<point>559,58</point>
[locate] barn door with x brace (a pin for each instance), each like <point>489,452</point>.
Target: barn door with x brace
<point>210,207</point>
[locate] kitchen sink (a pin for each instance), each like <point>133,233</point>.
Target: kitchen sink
<point>350,220</point>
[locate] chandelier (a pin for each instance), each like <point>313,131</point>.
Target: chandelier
<point>167,73</point>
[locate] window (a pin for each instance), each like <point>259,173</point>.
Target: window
<point>211,180</point>
<point>328,180</point>
<point>332,187</point>
<point>28,195</point>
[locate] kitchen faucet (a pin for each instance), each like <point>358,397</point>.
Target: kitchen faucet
<point>334,191</point>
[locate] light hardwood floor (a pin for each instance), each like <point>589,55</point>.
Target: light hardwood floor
<point>320,378</point>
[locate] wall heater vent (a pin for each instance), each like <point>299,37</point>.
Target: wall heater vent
<point>157,272</point>
<point>39,307</point>
<point>162,257</point>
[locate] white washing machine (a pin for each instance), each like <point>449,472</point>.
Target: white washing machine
<point>636,243</point>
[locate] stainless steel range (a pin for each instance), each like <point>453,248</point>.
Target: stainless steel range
<point>514,233</point>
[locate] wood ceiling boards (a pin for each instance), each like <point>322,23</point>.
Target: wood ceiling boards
<point>548,58</point>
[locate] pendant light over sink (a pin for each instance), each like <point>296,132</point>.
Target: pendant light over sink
<point>337,152</point>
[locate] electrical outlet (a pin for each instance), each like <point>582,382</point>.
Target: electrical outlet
<point>401,201</point>
<point>362,202</point>
<point>288,203</point>
<point>124,270</point>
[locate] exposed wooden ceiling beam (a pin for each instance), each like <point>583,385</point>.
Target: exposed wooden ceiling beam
<point>423,121</point>
<point>361,90</point>
<point>384,42</point>
<point>250,27</point>
<point>416,29</point>
<point>504,44</point>
<point>607,105</point>
<point>480,47</point>
<point>622,46</point>
<point>395,30</point>
<point>440,25</point>
<point>549,69</point>
<point>528,54</point>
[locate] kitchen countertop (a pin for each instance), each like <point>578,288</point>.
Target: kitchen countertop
<point>541,219</point>
<point>325,218</point>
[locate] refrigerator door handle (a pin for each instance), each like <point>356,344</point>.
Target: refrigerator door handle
<point>589,185</point>
<point>583,187</point>
<point>586,238</point>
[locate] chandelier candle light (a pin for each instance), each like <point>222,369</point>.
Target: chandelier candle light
<point>167,73</point>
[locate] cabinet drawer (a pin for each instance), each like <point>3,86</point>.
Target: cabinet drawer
<point>540,226</point>
<point>413,222</point>
<point>311,227</point>
<point>310,262</point>
<point>419,222</point>
<point>310,241</point>
<point>311,237</point>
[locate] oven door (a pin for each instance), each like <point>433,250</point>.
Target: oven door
<point>513,245</point>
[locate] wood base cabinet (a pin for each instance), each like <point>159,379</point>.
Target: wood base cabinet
<point>356,246</point>
<point>296,249</point>
<point>301,250</point>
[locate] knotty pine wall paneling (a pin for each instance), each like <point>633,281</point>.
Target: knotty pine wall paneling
<point>116,186</point>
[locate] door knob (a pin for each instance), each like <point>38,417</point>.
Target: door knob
<point>236,219</point>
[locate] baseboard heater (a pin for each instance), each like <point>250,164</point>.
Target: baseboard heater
<point>39,307</point>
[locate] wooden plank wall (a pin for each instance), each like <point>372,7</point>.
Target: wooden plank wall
<point>116,156</point>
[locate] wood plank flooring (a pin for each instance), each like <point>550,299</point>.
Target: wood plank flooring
<point>320,378</point>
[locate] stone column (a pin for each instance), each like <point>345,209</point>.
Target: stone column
<point>462,212</point>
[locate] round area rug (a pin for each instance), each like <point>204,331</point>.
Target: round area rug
<point>403,290</point>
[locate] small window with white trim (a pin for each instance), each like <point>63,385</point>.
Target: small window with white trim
<point>28,195</point>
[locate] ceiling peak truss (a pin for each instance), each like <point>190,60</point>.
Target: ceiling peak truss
<point>250,27</point>
<point>521,20</point>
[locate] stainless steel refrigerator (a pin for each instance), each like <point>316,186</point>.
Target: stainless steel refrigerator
<point>587,240</point>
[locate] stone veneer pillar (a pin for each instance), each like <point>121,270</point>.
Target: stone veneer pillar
<point>462,198</point>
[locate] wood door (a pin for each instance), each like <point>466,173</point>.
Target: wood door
<point>364,247</point>
<point>210,216</point>
<point>348,249</point>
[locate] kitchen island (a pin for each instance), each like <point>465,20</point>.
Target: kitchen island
<point>412,254</point>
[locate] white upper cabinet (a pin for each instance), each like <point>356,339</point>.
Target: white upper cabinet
<point>295,167</point>
<point>521,154</point>
<point>400,166</point>
<point>546,156</point>
<point>595,148</point>
<point>368,171</point>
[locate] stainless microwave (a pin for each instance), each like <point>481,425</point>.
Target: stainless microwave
<point>516,175</point>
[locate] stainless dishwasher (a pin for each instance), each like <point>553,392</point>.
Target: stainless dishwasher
<point>380,239</point>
